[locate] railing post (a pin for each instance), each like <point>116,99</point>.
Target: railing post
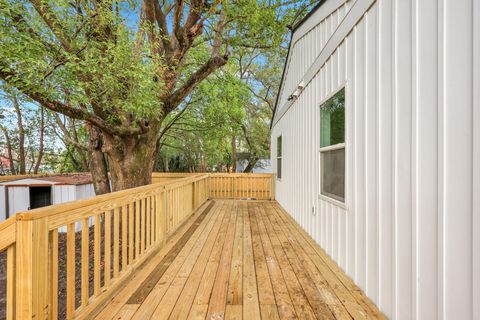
<point>32,267</point>
<point>165,217</point>
<point>207,185</point>
<point>272,187</point>
<point>194,202</point>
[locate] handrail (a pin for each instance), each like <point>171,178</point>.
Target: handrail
<point>124,229</point>
<point>76,204</point>
<point>7,233</point>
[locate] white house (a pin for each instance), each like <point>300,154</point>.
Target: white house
<point>376,144</point>
<point>30,193</point>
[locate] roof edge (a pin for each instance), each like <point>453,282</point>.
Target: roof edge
<point>281,81</point>
<point>299,23</point>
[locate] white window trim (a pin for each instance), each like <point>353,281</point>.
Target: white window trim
<point>342,86</point>
<point>332,147</point>
<point>333,201</point>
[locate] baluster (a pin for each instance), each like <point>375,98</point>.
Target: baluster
<point>107,238</point>
<point>137,229</point>
<point>124,237</point>
<point>147,222</point>
<point>130,233</point>
<point>70,270</point>
<point>116,241</point>
<point>85,261</point>
<point>96,254</point>
<point>142,226</point>
<point>54,274</point>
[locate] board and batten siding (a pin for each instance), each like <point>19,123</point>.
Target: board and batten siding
<point>308,41</point>
<point>409,232</point>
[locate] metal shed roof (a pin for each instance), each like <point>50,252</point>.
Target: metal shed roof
<point>61,179</point>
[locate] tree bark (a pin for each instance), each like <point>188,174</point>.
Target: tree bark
<point>98,163</point>
<point>21,137</point>
<point>165,161</point>
<point>40,151</point>
<point>251,164</point>
<point>9,151</point>
<point>234,154</point>
<point>132,159</point>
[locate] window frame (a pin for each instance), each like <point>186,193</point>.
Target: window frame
<point>326,196</point>
<point>279,157</point>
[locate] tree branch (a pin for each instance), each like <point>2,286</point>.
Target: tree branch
<point>53,23</point>
<point>64,108</point>
<point>173,100</point>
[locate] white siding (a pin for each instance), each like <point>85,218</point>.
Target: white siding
<point>304,48</point>
<point>409,233</point>
<point>63,193</point>
<point>18,200</point>
<point>3,203</point>
<point>84,191</point>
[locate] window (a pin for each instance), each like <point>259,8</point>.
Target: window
<point>279,157</point>
<point>332,147</point>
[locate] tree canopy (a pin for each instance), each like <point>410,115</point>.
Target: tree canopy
<point>123,67</point>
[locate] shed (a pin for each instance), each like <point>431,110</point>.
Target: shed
<point>376,147</point>
<point>35,192</point>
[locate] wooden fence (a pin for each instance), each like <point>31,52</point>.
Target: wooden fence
<point>241,186</point>
<point>104,239</point>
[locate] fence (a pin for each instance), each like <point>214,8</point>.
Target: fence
<point>240,185</point>
<point>118,231</point>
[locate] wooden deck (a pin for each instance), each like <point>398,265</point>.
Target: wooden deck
<point>239,260</point>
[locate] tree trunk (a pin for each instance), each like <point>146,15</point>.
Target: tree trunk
<point>132,159</point>
<point>9,151</point>
<point>21,137</point>
<point>251,164</point>
<point>234,154</point>
<point>98,163</point>
<point>40,151</point>
<point>165,161</point>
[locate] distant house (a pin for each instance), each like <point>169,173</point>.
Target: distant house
<point>5,164</point>
<point>30,193</point>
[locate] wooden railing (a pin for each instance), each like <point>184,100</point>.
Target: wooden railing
<point>230,185</point>
<point>7,249</point>
<point>241,185</point>
<point>170,176</point>
<point>65,261</point>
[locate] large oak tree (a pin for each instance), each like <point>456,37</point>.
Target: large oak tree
<point>122,67</point>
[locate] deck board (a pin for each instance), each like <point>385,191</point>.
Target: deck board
<point>240,260</point>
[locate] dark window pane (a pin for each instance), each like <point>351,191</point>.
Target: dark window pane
<point>279,146</point>
<point>279,168</point>
<point>332,120</point>
<point>333,174</point>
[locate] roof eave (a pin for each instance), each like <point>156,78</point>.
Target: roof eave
<point>293,29</point>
